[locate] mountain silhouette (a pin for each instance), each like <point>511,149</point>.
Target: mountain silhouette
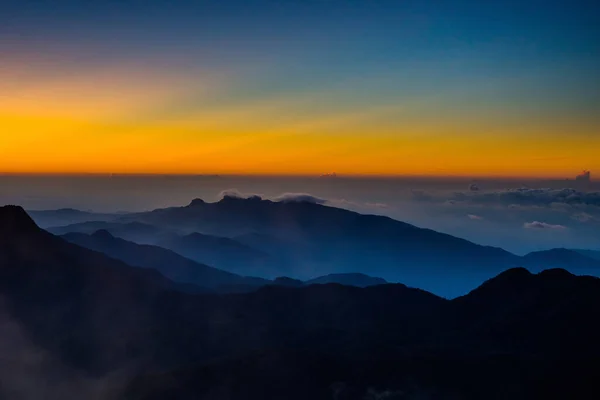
<point>132,231</point>
<point>167,262</point>
<point>304,240</point>
<point>572,260</point>
<point>74,302</point>
<point>533,335</point>
<point>312,240</point>
<point>595,254</point>
<point>224,253</point>
<point>355,279</point>
<point>67,216</point>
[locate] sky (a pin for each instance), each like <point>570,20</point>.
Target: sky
<point>357,87</point>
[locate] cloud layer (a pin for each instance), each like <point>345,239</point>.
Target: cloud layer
<point>531,197</point>
<point>543,225</point>
<point>299,198</point>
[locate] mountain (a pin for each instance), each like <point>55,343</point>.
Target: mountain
<point>525,313</point>
<point>571,260</point>
<point>359,280</point>
<point>304,240</point>
<point>311,240</point>
<point>91,314</point>
<point>529,335</point>
<point>224,253</point>
<point>82,318</point>
<point>285,281</point>
<point>132,231</point>
<point>65,216</point>
<point>87,310</point>
<point>595,254</point>
<point>167,262</point>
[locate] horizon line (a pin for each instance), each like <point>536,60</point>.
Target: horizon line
<point>325,176</point>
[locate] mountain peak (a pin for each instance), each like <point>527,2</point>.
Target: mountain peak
<point>103,234</point>
<point>513,274</point>
<point>233,198</point>
<point>196,202</point>
<point>14,219</point>
<point>511,279</point>
<point>556,274</point>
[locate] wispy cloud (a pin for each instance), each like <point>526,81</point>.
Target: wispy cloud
<point>543,225</point>
<point>474,217</point>
<point>299,198</point>
<point>517,197</point>
<point>236,194</point>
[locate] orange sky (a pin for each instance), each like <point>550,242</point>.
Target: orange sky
<point>132,119</point>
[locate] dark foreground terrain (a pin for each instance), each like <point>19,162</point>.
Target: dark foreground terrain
<point>76,323</point>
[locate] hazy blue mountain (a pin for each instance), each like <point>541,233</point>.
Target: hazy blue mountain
<point>571,260</point>
<point>595,254</point>
<point>224,253</point>
<point>311,240</point>
<point>67,216</point>
<point>133,231</point>
<point>167,262</point>
<point>304,240</point>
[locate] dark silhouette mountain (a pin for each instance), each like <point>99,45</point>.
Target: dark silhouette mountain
<point>572,260</point>
<point>517,336</point>
<point>285,281</point>
<point>132,231</point>
<point>359,280</point>
<point>97,314</point>
<point>519,312</point>
<point>87,309</point>
<point>312,239</point>
<point>223,253</point>
<point>167,262</point>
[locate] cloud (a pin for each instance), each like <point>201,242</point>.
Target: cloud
<point>543,225</point>
<point>474,217</point>
<point>293,197</point>
<point>299,198</point>
<point>236,194</point>
<point>376,205</point>
<point>522,197</point>
<point>473,187</point>
<point>585,217</point>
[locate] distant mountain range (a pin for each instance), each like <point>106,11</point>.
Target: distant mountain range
<point>304,240</point>
<point>577,261</point>
<point>590,253</point>
<point>67,216</point>
<point>358,280</point>
<point>167,262</point>
<point>183,270</point>
<point>226,253</point>
<point>132,231</point>
<point>100,323</point>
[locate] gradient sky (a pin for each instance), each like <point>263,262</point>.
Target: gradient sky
<point>429,87</point>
